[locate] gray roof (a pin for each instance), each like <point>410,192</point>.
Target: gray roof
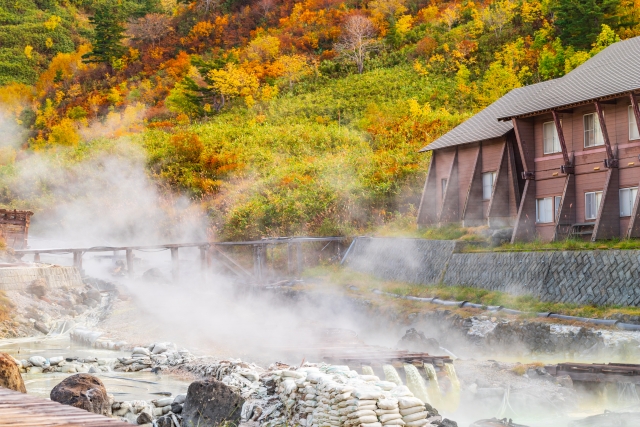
<point>615,70</point>
<point>485,124</point>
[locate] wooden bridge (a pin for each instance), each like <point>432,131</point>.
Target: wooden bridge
<point>208,251</point>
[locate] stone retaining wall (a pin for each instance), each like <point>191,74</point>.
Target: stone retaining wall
<point>18,278</point>
<point>580,277</point>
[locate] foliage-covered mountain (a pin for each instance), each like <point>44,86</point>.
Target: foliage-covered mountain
<point>282,117</point>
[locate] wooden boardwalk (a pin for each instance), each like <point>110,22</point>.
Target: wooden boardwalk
<point>23,410</point>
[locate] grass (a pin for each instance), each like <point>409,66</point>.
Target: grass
<point>572,245</point>
<point>360,283</point>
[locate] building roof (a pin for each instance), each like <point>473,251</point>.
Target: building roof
<point>485,124</point>
<point>613,71</point>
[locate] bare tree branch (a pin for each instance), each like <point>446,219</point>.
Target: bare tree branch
<point>150,28</point>
<point>357,40</point>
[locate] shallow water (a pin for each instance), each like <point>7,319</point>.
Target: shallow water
<point>123,385</point>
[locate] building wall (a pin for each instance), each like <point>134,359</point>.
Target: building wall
<point>590,172</point>
<point>19,278</point>
<point>444,158</point>
<point>466,160</point>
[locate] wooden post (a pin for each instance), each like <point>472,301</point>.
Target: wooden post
<point>36,257</point>
<point>563,144</point>
<point>498,210</point>
<point>299,260</point>
<point>175,265</point>
<point>428,211</point>
<point>129,257</point>
<point>450,200</point>
<point>608,220</point>
<point>289,259</point>
<point>525,226</point>
<point>605,136</point>
<point>77,260</point>
<point>472,213</point>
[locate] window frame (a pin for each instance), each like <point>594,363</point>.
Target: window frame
<point>557,203</point>
<point>596,193</point>
<point>632,124</point>
<point>556,139</point>
<point>550,200</point>
<point>597,131</point>
<point>494,175</point>
<point>632,200</point>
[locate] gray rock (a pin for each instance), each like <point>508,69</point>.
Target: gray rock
<point>94,370</point>
<point>35,370</point>
<point>144,418</point>
<point>163,402</point>
<point>160,348</point>
<point>564,381</point>
<point>141,350</point>
<point>41,327</point>
<point>55,360</point>
<point>68,369</point>
<point>211,403</point>
<point>38,361</point>
<point>176,408</point>
<point>180,398</point>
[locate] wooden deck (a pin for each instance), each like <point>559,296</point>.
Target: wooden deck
<point>23,410</point>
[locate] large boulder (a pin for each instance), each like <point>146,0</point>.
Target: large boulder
<point>211,403</point>
<point>10,374</point>
<point>415,341</point>
<point>38,287</point>
<point>82,391</point>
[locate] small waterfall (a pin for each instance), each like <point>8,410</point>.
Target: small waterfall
<point>367,370</point>
<point>416,383</point>
<point>391,375</point>
<point>434,386</point>
<point>627,395</point>
<point>453,397</point>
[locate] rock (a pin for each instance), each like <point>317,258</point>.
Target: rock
<point>501,236</point>
<point>414,340</point>
<point>10,374</point>
<point>154,275</point>
<point>55,360</point>
<point>38,361</point>
<point>564,381</point>
<point>140,350</point>
<point>160,348</point>
<point>166,409</point>
<point>92,295</point>
<point>38,288</point>
<point>82,391</point>
<point>94,370</point>
<point>180,398</point>
<point>176,408</point>
<point>144,418</point>
<point>163,402</point>
<point>210,403</point>
<point>41,327</point>
<point>35,370</point>
<point>68,369</point>
<point>448,423</point>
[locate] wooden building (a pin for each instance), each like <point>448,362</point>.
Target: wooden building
<point>14,227</point>
<point>553,159</point>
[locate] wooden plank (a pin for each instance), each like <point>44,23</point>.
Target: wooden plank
<point>563,144</point>
<point>566,215</point>
<point>472,212</point>
<point>603,128</point>
<point>499,203</point>
<point>427,211</point>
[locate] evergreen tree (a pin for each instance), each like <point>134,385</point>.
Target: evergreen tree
<point>108,35</point>
<point>580,21</point>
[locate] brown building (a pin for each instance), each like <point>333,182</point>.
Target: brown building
<point>14,227</point>
<point>553,159</point>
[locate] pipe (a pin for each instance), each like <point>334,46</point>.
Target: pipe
<point>473,305</point>
<point>543,314</point>
<point>510,311</point>
<point>628,326</point>
<point>447,303</point>
<point>584,319</point>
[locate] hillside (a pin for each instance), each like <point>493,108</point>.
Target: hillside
<point>275,118</point>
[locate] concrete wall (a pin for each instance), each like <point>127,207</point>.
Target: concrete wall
<point>580,277</point>
<point>18,278</point>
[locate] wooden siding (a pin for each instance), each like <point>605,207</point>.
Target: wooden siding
<point>467,156</point>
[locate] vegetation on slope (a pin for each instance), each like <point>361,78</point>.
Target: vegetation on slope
<point>291,117</point>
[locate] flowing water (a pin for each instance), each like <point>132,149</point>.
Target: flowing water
<point>391,375</point>
<point>417,384</point>
<point>434,385</point>
<point>122,385</point>
<point>367,370</point>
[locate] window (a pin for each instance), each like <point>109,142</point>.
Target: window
<point>443,182</point>
<point>557,200</point>
<point>551,139</point>
<point>544,210</point>
<point>488,178</point>
<point>627,200</point>
<point>633,127</point>
<point>592,131</point>
<point>592,204</point>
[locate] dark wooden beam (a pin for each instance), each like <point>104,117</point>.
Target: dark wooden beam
<point>566,215</point>
<point>514,187</point>
<point>472,212</point>
<point>636,109</point>
<point>525,226</point>
<point>563,144</point>
<point>428,212</point>
<point>499,203</point>
<point>450,199</point>
<point>608,220</point>
<point>603,128</point>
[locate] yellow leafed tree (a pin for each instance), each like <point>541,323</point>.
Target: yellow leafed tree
<point>292,68</point>
<point>232,81</point>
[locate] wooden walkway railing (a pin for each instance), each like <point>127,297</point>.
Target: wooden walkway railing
<point>206,249</point>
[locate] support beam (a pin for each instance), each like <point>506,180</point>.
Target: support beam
<point>608,219</point>
<point>175,265</point>
<point>636,109</point>
<point>611,162</point>
<point>77,260</point>
<point>633,230</point>
<point>36,257</point>
<point>472,212</point>
<point>203,259</point>
<point>568,167</point>
<point>299,260</point>
<point>498,210</point>
<point>566,215</point>
<point>514,187</point>
<point>525,226</point>
<point>450,199</point>
<point>428,209</point>
<point>129,257</point>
